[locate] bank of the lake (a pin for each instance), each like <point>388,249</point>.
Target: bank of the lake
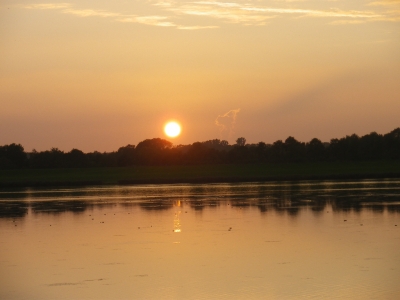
<point>199,173</point>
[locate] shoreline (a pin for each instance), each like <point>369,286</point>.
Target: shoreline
<point>202,180</point>
<point>198,174</point>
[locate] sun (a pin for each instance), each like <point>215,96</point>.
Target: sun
<point>172,129</point>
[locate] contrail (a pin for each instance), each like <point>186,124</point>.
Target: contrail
<point>226,122</point>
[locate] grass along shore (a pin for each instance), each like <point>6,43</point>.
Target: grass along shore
<point>199,173</point>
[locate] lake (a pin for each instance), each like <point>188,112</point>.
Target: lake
<point>275,240</point>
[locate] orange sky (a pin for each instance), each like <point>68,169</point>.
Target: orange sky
<point>97,75</point>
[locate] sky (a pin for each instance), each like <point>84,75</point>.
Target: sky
<point>98,75</point>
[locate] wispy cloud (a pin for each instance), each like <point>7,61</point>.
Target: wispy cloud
<point>235,10</point>
<point>153,20</point>
<point>226,122</point>
<point>344,22</point>
<point>393,9</point>
<point>249,13</point>
<point>169,13</point>
<point>195,27</point>
<point>91,13</point>
<point>46,6</point>
<point>149,20</point>
<point>386,2</point>
<point>316,13</point>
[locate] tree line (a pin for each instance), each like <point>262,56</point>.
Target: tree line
<point>158,151</point>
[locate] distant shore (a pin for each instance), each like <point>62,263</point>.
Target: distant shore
<point>229,173</point>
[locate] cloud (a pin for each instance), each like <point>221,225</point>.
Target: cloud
<point>90,13</point>
<point>226,122</point>
<point>46,6</point>
<point>306,12</point>
<point>385,3</point>
<point>345,22</point>
<point>317,13</point>
<point>229,12</point>
<point>66,8</point>
<point>195,27</point>
<point>249,13</point>
<point>175,13</point>
<point>153,20</point>
<point>149,20</point>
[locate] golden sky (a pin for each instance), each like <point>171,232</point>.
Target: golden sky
<point>97,75</point>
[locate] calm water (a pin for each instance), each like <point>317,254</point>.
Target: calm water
<point>214,241</point>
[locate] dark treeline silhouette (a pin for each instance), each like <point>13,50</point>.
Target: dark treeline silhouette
<point>158,151</point>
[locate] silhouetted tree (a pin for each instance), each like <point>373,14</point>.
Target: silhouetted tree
<point>217,145</point>
<point>346,148</point>
<point>294,150</point>
<point>97,159</point>
<point>198,153</point>
<point>153,151</point>
<point>392,144</point>
<point>261,151</point>
<point>48,159</point>
<point>371,146</point>
<point>237,155</point>
<point>126,156</point>
<point>315,150</point>
<point>12,156</point>
<point>277,152</point>
<point>76,159</point>
<point>353,143</point>
<point>241,142</point>
<point>157,151</point>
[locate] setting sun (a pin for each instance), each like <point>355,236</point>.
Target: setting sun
<point>172,129</point>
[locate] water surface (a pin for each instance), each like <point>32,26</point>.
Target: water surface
<point>207,241</point>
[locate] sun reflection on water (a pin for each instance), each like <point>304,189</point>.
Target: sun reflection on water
<point>177,222</point>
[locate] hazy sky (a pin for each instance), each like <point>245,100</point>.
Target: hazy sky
<point>97,75</point>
